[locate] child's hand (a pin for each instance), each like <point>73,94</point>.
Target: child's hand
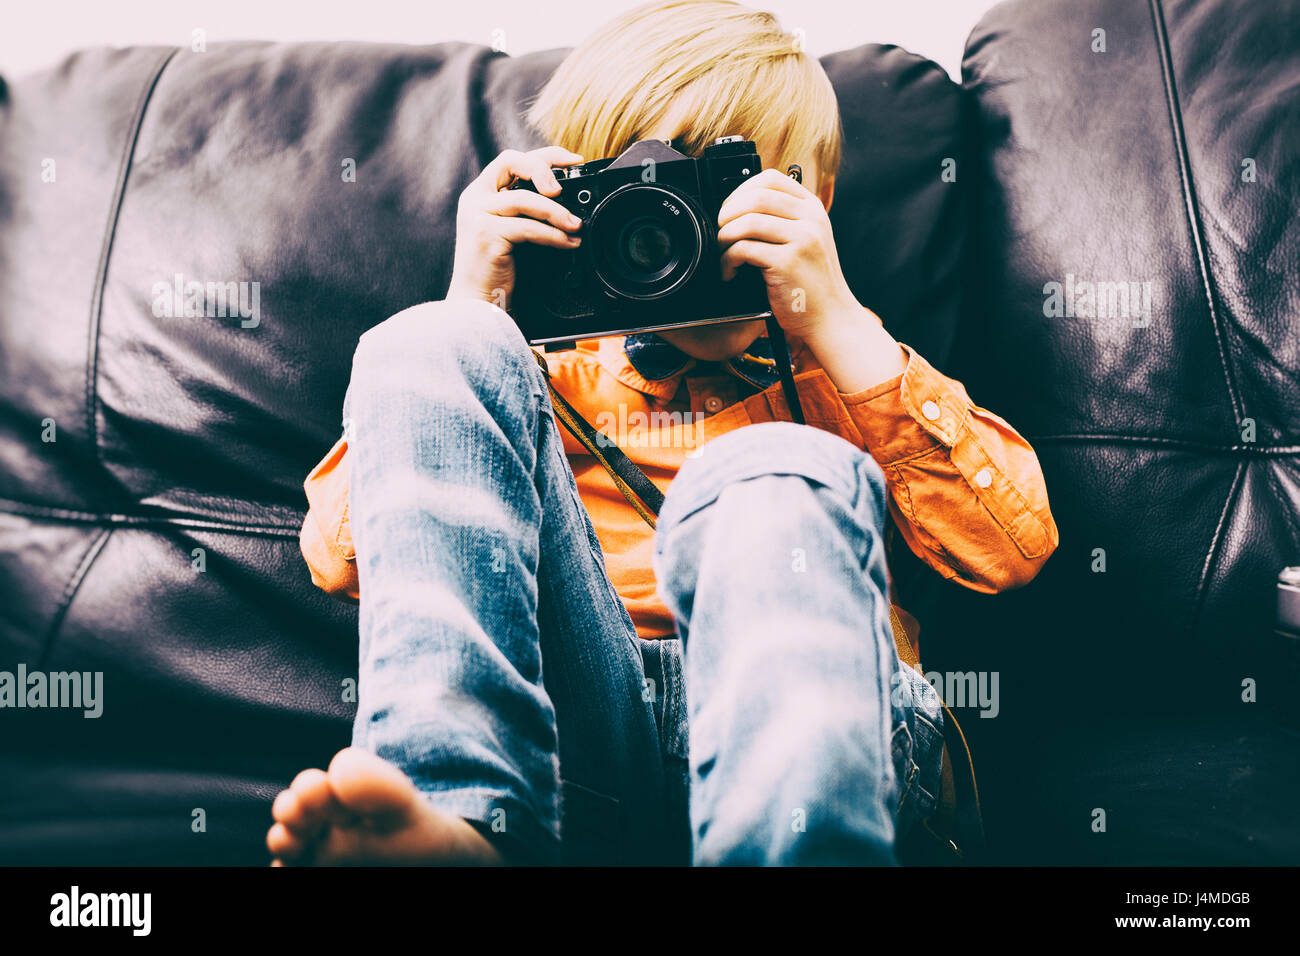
<point>492,219</point>
<point>777,225</point>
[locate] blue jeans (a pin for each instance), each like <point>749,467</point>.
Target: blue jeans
<point>501,672</point>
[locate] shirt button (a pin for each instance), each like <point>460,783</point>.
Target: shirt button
<point>930,410</point>
<point>983,477</point>
<point>712,404</point>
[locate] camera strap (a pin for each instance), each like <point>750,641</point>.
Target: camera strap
<point>640,492</point>
<point>781,353</point>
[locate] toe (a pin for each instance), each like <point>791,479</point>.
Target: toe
<point>371,786</point>
<point>287,809</point>
<point>308,804</point>
<point>283,843</point>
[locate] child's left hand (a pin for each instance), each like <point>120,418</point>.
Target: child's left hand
<point>779,226</point>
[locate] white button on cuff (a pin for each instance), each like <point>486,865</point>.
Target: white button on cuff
<point>983,477</point>
<point>930,410</point>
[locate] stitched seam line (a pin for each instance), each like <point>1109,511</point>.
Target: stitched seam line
<point>105,252</point>
<point>1279,451</point>
<point>913,770</point>
<point>915,455</point>
<point>935,548</point>
<point>1024,505</point>
<point>70,591</point>
<point>1189,195</point>
<point>910,512</point>
<point>344,522</point>
<point>1213,550</point>
<point>942,393</point>
<point>69,516</point>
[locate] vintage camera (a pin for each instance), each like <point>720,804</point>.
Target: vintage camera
<point>649,258</point>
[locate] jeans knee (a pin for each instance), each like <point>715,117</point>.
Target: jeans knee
<point>447,341</point>
<point>777,448</point>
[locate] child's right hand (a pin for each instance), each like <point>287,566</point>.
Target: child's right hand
<point>491,219</point>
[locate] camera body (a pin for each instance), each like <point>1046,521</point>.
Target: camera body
<point>649,258</point>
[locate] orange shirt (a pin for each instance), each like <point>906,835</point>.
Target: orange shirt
<point>965,490</point>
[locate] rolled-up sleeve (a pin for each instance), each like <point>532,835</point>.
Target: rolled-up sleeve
<point>966,490</point>
<point>326,536</point>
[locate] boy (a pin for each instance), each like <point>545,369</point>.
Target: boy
<point>487,543</point>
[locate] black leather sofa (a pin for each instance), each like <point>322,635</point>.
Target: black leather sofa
<point>155,539</point>
<point>1169,441</point>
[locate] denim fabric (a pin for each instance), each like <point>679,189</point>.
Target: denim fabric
<point>916,740</point>
<point>478,564</point>
<point>501,672</point>
<point>665,682</point>
<point>807,745</point>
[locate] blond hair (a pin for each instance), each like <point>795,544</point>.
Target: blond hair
<point>709,67</point>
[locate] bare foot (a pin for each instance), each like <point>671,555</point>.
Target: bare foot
<point>363,810</point>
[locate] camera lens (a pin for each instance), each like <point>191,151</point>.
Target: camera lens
<point>646,241</point>
<point>646,245</point>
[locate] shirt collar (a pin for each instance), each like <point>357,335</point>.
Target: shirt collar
<point>656,363</point>
<point>653,357</point>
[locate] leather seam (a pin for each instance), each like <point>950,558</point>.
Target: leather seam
<point>105,253</point>
<point>68,516</point>
<point>1244,451</point>
<point>1190,205</point>
<point>1213,550</point>
<point>70,591</point>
